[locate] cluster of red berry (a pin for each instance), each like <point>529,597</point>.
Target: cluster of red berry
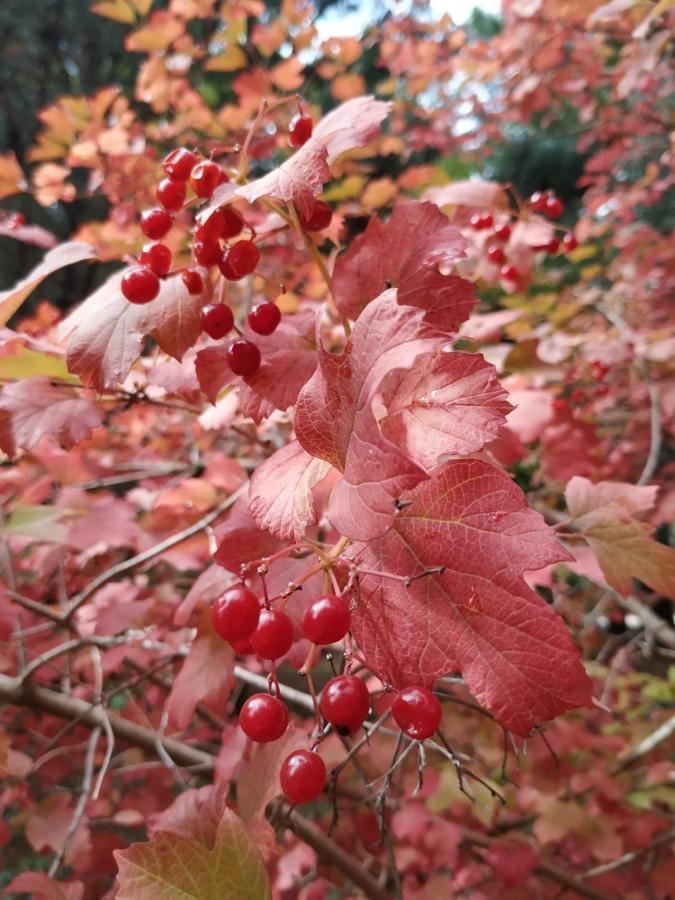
<point>543,202</point>
<point>577,389</point>
<point>213,245</point>
<point>238,618</point>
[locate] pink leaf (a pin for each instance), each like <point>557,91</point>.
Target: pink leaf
<point>512,861</point>
<point>447,404</point>
<point>303,175</point>
<point>42,887</point>
<point>281,491</point>
<point>193,815</point>
<point>485,194</point>
<point>32,408</point>
<point>408,252</point>
<point>475,616</point>
<point>241,539</point>
<point>206,676</point>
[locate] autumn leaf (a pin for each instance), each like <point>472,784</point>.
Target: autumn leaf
<point>469,528</point>
<point>32,407</point>
<point>606,515</point>
<point>447,404</point>
<point>12,179</point>
<point>64,255</point>
<point>207,676</point>
<point>281,491</point>
<point>125,11</point>
<point>173,867</point>
<point>410,252</point>
<point>474,192</point>
<point>42,887</point>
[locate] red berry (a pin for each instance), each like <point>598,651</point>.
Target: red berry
<point>318,218</point>
<point>192,281</point>
<point>263,718</point>
<point>155,223</point>
<point>503,232</point>
<point>217,320</point>
<point>560,403</point>
<point>509,272</point>
<point>140,285</point>
<point>204,179</point>
<point>235,613</point>
<point>226,269</point>
<point>273,637</point>
<point>223,177</point>
<point>223,223</point>
<point>569,242</point>
<point>326,620</point>
<point>300,130</point>
<point>264,318</point>
<point>243,357</point>
<point>554,206</point>
<point>243,647</point>
<point>302,776</point>
<point>538,201</point>
<point>156,257</point>
<point>344,703</point>
<point>601,390</point>
<point>171,194</point>
<point>417,712</point>
<point>242,258</point>
<point>207,253</point>
<point>496,254</point>
<point>578,395</point>
<point>553,245</point>
<point>481,221</point>
<point>179,163</point>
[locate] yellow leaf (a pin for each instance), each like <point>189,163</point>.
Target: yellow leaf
<point>161,30</point>
<point>231,59</point>
<point>347,189</point>
<point>378,193</point>
<point>125,11</point>
<point>27,363</point>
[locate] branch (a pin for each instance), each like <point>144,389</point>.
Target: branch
<point>656,436</point>
<point>662,733</point>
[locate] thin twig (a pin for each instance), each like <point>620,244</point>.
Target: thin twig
<point>656,436</point>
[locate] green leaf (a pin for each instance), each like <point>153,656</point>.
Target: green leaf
<point>171,867</point>
<point>27,363</point>
<point>42,522</point>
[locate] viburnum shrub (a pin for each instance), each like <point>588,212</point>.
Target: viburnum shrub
<point>307,503</point>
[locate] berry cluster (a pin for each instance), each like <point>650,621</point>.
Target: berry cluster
<point>213,245</point>
<point>544,202</point>
<point>583,383</point>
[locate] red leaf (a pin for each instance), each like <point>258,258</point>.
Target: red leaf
<point>303,175</point>
<point>193,815</point>
<point>105,333</point>
<point>513,862</point>
<point>477,616</point>
<point>241,539</point>
<point>32,407</point>
<point>334,419</point>
<point>281,491</point>
<point>448,404</point>
<point>206,676</point>
<point>42,887</point>
<point>407,253</point>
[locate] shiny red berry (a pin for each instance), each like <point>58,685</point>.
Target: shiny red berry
<point>538,201</point>
<point>264,318</point>
<point>179,163</point>
<point>300,130</point>
<point>242,258</point>
<point>155,223</point>
<point>192,281</point>
<point>223,223</point>
<point>171,194</point>
<point>263,718</point>
<point>503,232</point>
<point>235,613</point>
<point>273,637</point>
<point>481,221</point>
<point>553,245</point>
<point>509,272</point>
<point>242,647</point>
<point>217,320</point>
<point>207,253</point>
<point>554,206</point>
<point>156,257</point>
<point>496,254</point>
<point>569,242</point>
<point>417,712</point>
<point>344,703</point>
<point>243,357</point>
<point>302,776</point>
<point>326,620</point>
<point>204,179</point>
<point>318,217</point>
<point>140,285</point>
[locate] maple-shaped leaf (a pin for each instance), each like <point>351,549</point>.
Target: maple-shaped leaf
<point>606,515</point>
<point>288,361</point>
<point>334,418</point>
<point>105,333</point>
<point>470,529</point>
<point>302,176</point>
<point>410,252</point>
<point>195,815</point>
<point>207,676</point>
<point>33,407</point>
<point>41,887</point>
<point>447,404</point>
<point>281,491</point>
<point>172,866</point>
<point>64,255</point>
